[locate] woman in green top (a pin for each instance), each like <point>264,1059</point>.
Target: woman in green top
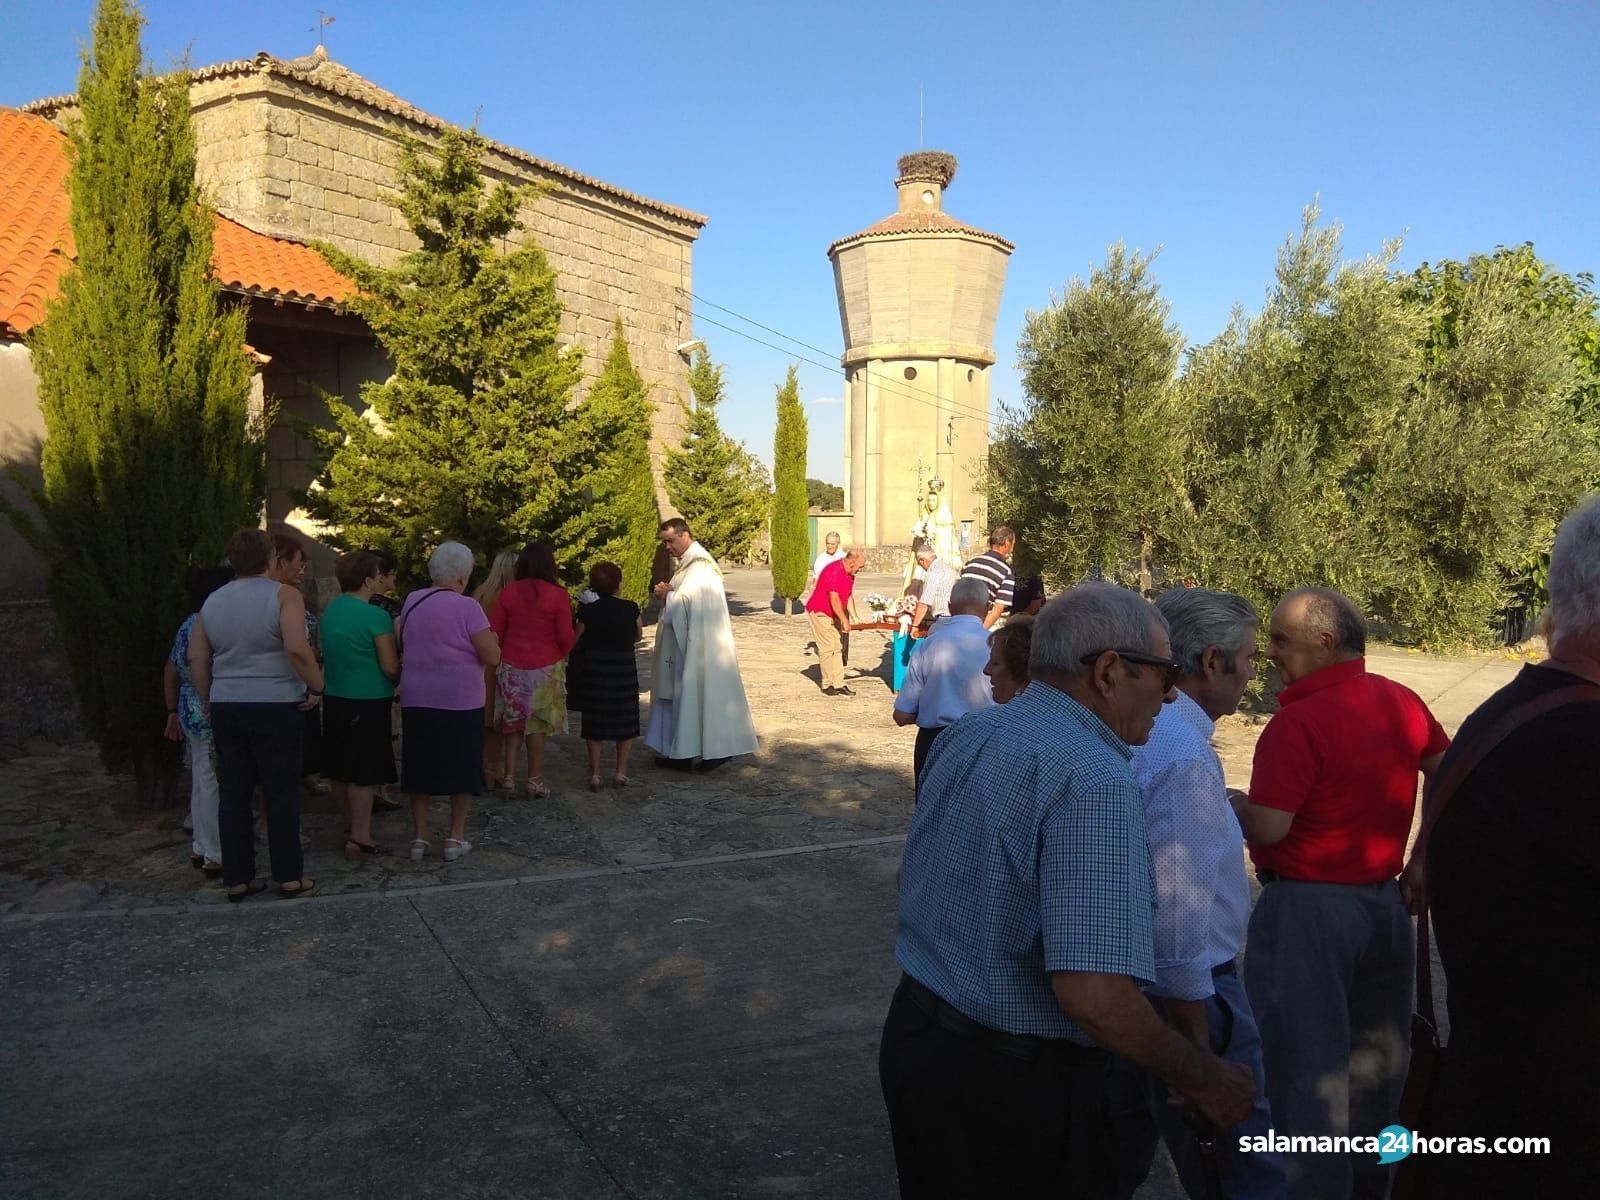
<point>361,663</point>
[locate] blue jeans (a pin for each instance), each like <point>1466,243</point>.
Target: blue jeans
<point>1140,1113</point>
<point>1329,969</point>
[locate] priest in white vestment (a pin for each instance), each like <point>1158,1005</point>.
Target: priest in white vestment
<point>698,708</point>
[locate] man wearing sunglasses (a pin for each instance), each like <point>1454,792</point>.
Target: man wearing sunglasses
<point>1333,787</point>
<point>1025,924</point>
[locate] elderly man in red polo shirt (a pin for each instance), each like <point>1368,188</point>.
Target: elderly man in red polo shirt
<point>1329,960</point>
<point>828,612</point>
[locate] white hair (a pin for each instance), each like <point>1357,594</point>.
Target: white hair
<point>1575,571</point>
<point>969,594</point>
<point>1088,619</point>
<point>1198,619</point>
<point>926,550</point>
<point>450,562</point>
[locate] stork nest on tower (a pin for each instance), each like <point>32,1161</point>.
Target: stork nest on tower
<point>928,166</point>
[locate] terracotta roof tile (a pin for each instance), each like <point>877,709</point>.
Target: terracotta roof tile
<point>321,72</point>
<point>253,262</point>
<point>920,221</point>
<point>36,235</point>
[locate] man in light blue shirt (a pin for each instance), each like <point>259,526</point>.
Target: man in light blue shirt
<point>1202,904</point>
<point>1025,924</point>
<point>945,678</point>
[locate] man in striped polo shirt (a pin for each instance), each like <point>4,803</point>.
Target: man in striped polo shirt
<point>994,568</point>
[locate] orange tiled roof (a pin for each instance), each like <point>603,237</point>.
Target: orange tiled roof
<point>246,261</point>
<point>36,236</point>
<point>929,220</point>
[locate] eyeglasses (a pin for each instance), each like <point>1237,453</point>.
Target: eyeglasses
<point>1171,668</point>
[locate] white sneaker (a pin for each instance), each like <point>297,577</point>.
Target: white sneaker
<point>454,848</point>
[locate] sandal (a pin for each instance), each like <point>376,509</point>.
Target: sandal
<point>620,781</point>
<point>454,848</point>
<point>303,885</point>
<point>508,783</point>
<point>197,861</point>
<point>240,890</point>
<point>419,849</point>
<point>537,789</point>
<point>594,783</point>
<point>210,869</point>
<point>363,849</point>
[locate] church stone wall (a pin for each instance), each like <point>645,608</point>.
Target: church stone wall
<point>291,160</point>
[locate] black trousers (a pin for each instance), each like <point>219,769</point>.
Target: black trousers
<point>973,1115</point>
<point>926,736</point>
<point>258,744</point>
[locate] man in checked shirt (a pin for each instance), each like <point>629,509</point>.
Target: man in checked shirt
<point>1202,902</point>
<point>1025,925</point>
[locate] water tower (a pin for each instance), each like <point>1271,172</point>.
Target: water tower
<point>919,293</point>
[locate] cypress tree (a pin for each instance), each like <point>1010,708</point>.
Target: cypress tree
<point>474,437</point>
<point>790,543</point>
<point>151,457</point>
<point>619,522</point>
<point>713,479</point>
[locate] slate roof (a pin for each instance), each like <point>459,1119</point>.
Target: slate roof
<point>36,235</point>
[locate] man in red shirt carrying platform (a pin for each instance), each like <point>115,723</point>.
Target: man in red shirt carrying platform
<point>1330,956</point>
<point>828,610</point>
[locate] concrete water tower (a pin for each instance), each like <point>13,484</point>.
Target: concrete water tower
<point>919,293</point>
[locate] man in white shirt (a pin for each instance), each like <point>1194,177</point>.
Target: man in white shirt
<point>830,554</point>
<point>945,679</point>
<point>937,579</point>
<point>1202,903</point>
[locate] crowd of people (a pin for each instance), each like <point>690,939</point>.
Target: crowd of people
<point>265,691</point>
<point>1084,974</point>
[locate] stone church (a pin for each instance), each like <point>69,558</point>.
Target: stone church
<point>291,151</point>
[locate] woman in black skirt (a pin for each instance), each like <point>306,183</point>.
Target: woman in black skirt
<point>606,684</point>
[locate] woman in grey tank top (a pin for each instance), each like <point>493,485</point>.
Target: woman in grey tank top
<point>254,669</point>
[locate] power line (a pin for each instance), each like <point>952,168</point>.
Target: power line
<point>885,382</point>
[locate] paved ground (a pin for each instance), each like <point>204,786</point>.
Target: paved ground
<point>674,990</point>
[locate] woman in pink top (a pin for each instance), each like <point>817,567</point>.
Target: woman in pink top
<point>445,642</point>
<point>533,620</point>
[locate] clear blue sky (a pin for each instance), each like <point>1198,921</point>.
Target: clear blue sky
<point>1199,128</point>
